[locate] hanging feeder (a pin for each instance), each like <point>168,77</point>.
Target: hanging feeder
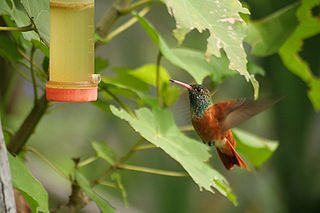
<point>71,73</point>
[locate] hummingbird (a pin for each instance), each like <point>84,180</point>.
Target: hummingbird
<point>213,122</point>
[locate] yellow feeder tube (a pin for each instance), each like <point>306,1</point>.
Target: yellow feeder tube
<point>71,73</point>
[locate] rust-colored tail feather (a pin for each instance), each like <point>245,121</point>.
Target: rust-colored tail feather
<point>228,160</point>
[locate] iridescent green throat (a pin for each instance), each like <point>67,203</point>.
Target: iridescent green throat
<point>198,103</point>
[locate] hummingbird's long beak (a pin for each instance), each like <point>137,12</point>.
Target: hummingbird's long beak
<point>181,83</point>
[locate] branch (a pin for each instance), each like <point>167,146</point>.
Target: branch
<point>34,151</point>
<point>105,88</point>
<point>158,78</point>
<point>33,49</point>
<point>21,29</point>
<point>133,6</point>
<point>27,128</point>
<point>77,200</point>
<point>34,64</point>
<point>115,165</point>
<point>144,147</point>
<point>123,27</point>
<point>86,162</point>
<point>105,183</point>
<point>24,75</point>
<point>152,171</point>
<point>110,17</point>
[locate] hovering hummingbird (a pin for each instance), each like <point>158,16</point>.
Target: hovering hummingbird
<point>213,122</point>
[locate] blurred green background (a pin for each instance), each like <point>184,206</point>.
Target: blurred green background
<point>288,182</point>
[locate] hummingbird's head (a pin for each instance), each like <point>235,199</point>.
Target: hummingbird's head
<point>199,97</point>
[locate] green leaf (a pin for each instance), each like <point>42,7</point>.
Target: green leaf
<point>169,54</point>
<point>289,52</point>
<point>159,128</point>
<point>104,151</point>
<point>18,36</point>
<point>41,46</point>
<point>138,81</point>
<point>314,92</point>
<point>125,79</point>
<point>8,49</point>
<point>257,150</point>
<point>115,88</point>
<point>169,95</point>
<point>100,64</point>
<point>192,61</point>
<point>255,69</point>
<point>103,205</point>
<point>45,64</point>
<point>267,35</point>
<point>105,107</point>
<point>28,186</point>
<point>38,12</point>
<point>217,68</point>
<point>117,177</point>
<point>226,28</point>
<point>20,17</point>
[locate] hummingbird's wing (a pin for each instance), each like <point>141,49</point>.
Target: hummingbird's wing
<point>233,112</point>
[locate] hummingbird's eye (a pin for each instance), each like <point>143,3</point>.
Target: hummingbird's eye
<point>198,89</point>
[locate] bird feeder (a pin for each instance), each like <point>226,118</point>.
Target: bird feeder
<point>71,73</point>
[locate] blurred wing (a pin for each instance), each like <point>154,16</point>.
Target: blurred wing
<point>234,112</point>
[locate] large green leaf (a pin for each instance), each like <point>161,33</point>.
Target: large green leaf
<point>100,64</point>
<point>38,12</point>
<point>17,12</point>
<point>103,205</point>
<point>217,68</point>
<point>267,35</point>
<point>256,149</point>
<point>226,28</point>
<point>8,49</point>
<point>138,81</point>
<point>28,186</point>
<point>192,61</point>
<point>314,93</point>
<point>308,26</point>
<point>159,128</point>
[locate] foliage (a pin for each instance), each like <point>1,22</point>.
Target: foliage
<point>282,32</point>
<point>28,186</point>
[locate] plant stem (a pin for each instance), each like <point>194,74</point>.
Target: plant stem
<point>133,6</point>
<point>105,88</point>
<point>158,78</point>
<point>105,183</point>
<point>44,74</point>
<point>62,106</point>
<point>34,151</point>
<point>21,29</point>
<point>151,171</point>
<point>86,162</point>
<point>125,26</point>
<point>24,75</point>
<point>144,147</point>
<point>33,76</point>
<point>27,128</point>
<point>115,165</point>
<point>110,17</point>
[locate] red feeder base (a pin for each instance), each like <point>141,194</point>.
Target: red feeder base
<point>72,94</point>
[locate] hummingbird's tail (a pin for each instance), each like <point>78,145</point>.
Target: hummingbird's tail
<point>230,160</point>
